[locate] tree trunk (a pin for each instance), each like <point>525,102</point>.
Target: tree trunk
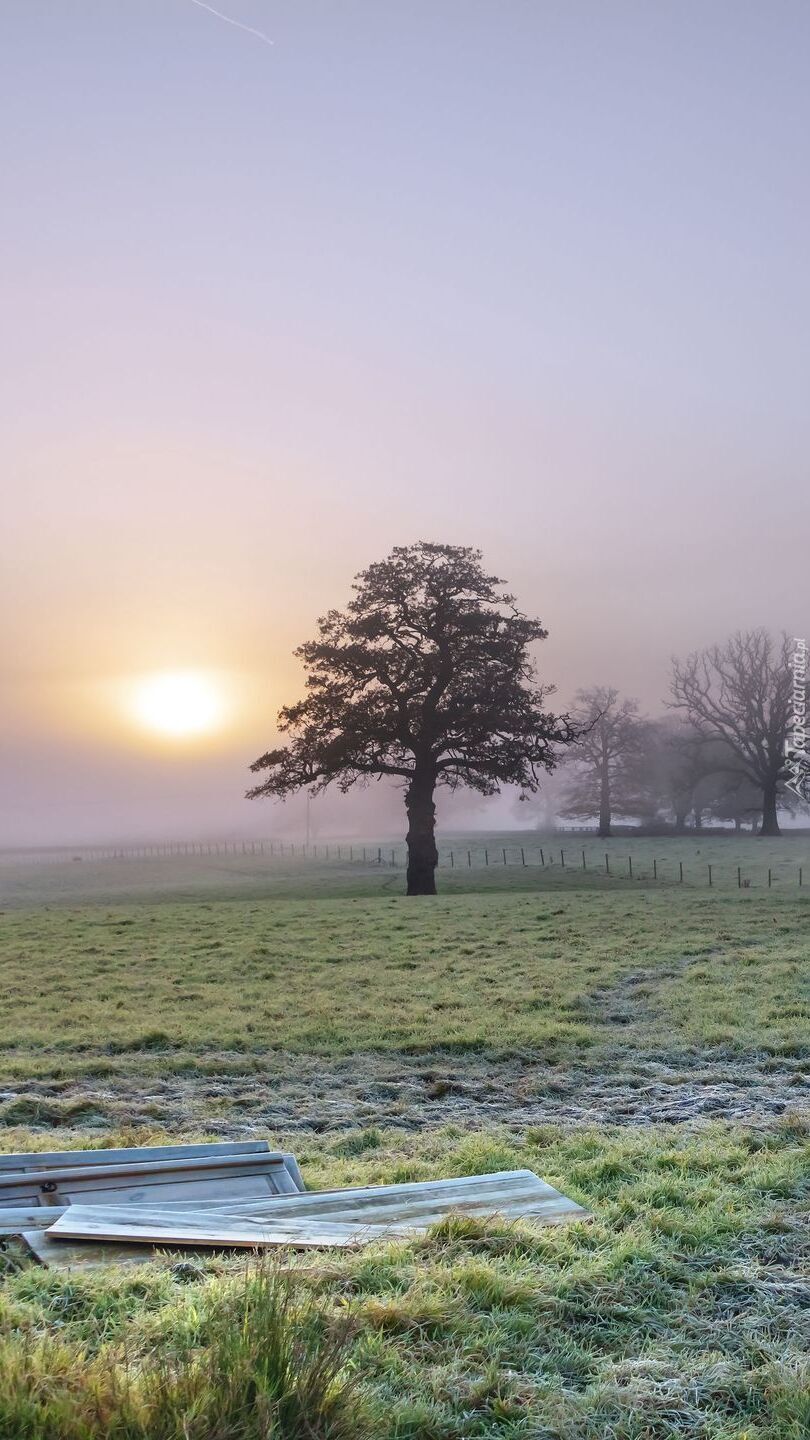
<point>770,823</point>
<point>680,822</point>
<point>422,853</point>
<point>698,819</point>
<point>604,802</point>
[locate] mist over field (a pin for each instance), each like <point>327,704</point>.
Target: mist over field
<point>531,279</point>
<point>404,777</point>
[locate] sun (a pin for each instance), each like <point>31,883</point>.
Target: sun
<point>179,704</point>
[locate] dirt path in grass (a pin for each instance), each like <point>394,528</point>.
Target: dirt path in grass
<point>313,1094</point>
<point>623,1082</point>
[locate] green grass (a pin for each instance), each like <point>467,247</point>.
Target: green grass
<point>256,1358</point>
<point>169,987</point>
<point>176,1010</point>
<point>193,878</point>
<point>677,1311</point>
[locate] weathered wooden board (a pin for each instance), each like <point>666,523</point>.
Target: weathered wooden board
<point>513,1193</point>
<point>350,1216</point>
<point>154,1190</point>
<point>212,1228</point>
<point>212,1176</point>
<point>151,1154</point>
<point>82,1255</point>
<point>137,1165</point>
<point>13,1220</point>
<point>291,1165</point>
<point>24,1192</point>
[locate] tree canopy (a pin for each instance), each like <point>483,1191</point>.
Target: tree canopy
<point>426,677</point>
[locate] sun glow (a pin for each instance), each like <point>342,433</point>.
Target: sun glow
<point>179,704</point>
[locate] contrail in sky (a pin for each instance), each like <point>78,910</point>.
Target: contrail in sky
<point>229,20</point>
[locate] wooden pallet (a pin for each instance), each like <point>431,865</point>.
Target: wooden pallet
<point>228,1171</point>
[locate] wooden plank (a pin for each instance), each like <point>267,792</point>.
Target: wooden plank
<point>347,1216</point>
<point>84,1255</point>
<point>35,1217</point>
<point>211,1172</point>
<point>293,1169</point>
<point>285,1179</point>
<point>213,1176</point>
<point>22,1192</point>
<point>212,1229</point>
<point>14,1218</point>
<point>513,1192</point>
<point>147,1167</point>
<point>153,1191</point>
<point>64,1159</point>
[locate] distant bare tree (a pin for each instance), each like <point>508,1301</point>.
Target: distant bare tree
<point>612,732</point>
<point>735,798</point>
<point>671,764</point>
<point>690,774</point>
<point>740,693</point>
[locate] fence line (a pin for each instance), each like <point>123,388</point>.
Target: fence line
<point>658,869</point>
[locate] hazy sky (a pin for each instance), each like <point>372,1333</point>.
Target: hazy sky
<point>532,276</point>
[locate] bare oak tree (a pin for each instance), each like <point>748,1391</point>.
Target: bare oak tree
<point>610,733</point>
<point>740,693</point>
<point>683,772</point>
<point>425,677</point>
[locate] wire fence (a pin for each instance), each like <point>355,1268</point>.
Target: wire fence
<point>551,860</point>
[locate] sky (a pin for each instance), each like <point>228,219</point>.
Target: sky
<point>526,276</point>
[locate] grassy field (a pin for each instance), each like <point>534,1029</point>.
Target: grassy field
<point>533,862</point>
<point>641,1044</point>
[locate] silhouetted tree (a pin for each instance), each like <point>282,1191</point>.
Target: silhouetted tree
<point>677,772</point>
<point>740,693</point>
<point>426,677</point>
<point>643,788</point>
<point>610,733</point>
<point>659,779</point>
<point>734,798</point>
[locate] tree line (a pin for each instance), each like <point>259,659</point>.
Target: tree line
<point>427,678</point>
<point>720,753</point>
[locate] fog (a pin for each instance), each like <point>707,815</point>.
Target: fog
<point>531,278</point>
